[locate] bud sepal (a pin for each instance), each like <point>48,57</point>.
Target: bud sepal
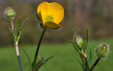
<point>102,50</point>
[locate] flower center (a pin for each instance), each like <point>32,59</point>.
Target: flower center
<point>49,18</point>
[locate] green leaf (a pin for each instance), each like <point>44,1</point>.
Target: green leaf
<point>10,30</point>
<point>18,35</point>
<point>27,57</point>
<point>76,47</point>
<point>39,59</point>
<point>74,33</point>
<point>23,23</point>
<point>84,46</point>
<point>37,66</point>
<point>40,63</point>
<point>49,58</point>
<point>16,26</point>
<point>89,56</point>
<point>33,64</point>
<point>15,33</point>
<point>80,64</point>
<point>43,58</point>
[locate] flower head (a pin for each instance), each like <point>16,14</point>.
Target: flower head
<point>50,14</point>
<point>9,13</point>
<point>79,41</point>
<point>102,50</point>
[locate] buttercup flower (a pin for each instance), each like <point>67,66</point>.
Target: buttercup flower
<point>50,14</point>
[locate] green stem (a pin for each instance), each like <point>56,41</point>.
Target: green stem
<point>36,54</point>
<point>96,62</point>
<point>86,65</point>
<point>81,56</point>
<point>18,56</point>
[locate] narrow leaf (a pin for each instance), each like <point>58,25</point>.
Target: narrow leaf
<point>39,59</point>
<point>74,33</point>
<point>84,62</point>
<point>33,64</point>
<point>84,46</point>
<point>37,66</point>
<point>40,63</point>
<point>49,58</point>
<point>43,58</point>
<point>89,56</point>
<point>20,30</point>
<point>23,23</point>
<point>10,30</point>
<point>18,35</point>
<point>27,57</point>
<point>76,47</point>
<point>16,26</point>
<point>80,64</point>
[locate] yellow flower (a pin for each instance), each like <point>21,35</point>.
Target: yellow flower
<point>50,14</point>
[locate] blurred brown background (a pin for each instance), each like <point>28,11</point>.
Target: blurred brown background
<point>80,15</point>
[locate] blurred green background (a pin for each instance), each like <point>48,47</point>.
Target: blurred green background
<point>80,15</point>
<point>65,59</point>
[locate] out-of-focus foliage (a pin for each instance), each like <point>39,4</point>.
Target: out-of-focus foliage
<point>80,15</point>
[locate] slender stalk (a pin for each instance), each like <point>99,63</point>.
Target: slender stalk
<point>81,56</point>
<point>95,64</point>
<point>18,56</point>
<point>12,26</point>
<point>16,47</point>
<point>39,43</point>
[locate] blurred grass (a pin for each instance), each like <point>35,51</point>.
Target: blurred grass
<point>64,60</point>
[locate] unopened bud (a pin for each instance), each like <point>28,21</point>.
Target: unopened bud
<point>78,41</point>
<point>9,13</point>
<point>102,50</point>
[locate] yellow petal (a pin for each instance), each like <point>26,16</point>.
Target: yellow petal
<point>42,11</point>
<point>53,25</point>
<point>56,10</point>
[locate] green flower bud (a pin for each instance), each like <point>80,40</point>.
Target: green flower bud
<point>79,41</point>
<point>102,50</point>
<point>9,13</point>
